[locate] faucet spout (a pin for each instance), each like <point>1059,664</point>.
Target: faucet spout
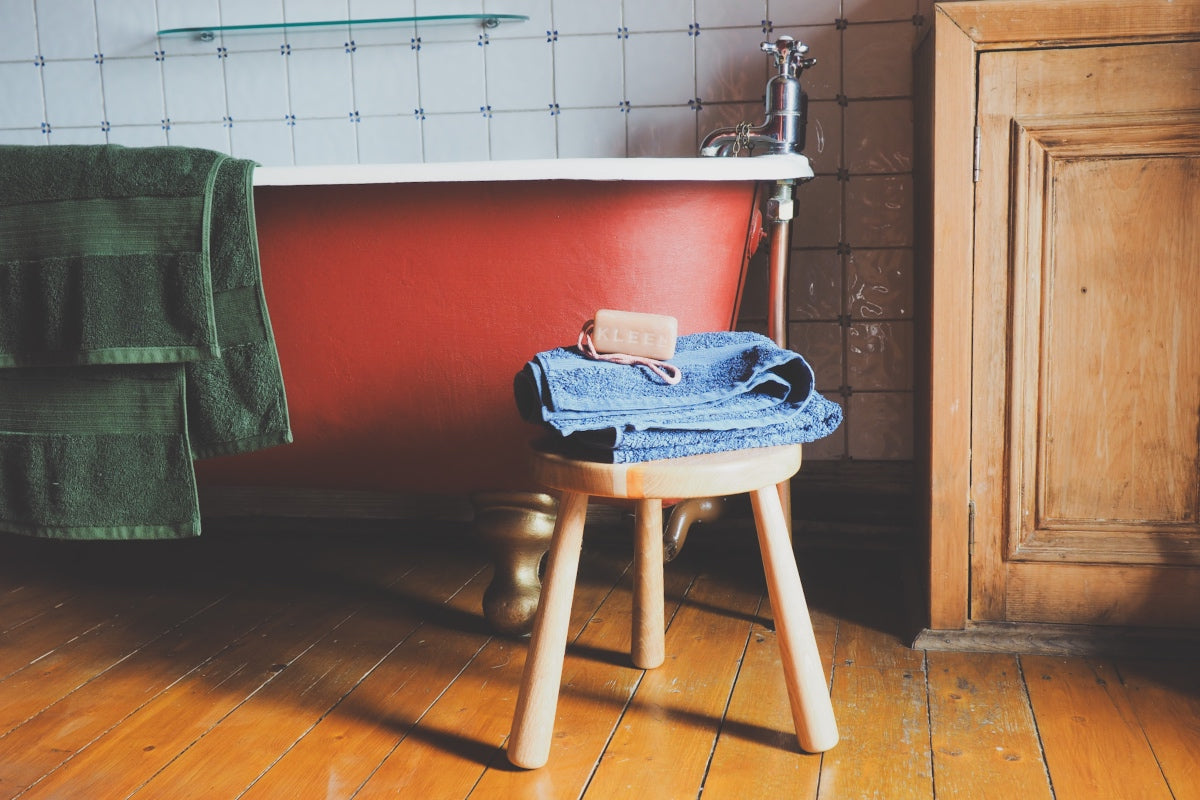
<point>771,136</point>
<point>724,142</point>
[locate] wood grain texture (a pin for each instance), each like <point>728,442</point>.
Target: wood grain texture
<point>464,735</point>
<point>232,755</point>
<point>982,733</point>
<point>1059,22</point>
<point>1108,191</point>
<point>709,474</point>
<point>1085,594</point>
<point>807,685</point>
<point>537,701</point>
<point>667,735</point>
<point>874,617</point>
<point>598,683</point>
<point>944,229</point>
<point>648,616</point>
<point>1165,696</point>
<point>22,603</point>
<point>1081,446</point>
<point>348,744</point>
<point>1094,745</point>
<point>1054,639</point>
<point>882,715</point>
<point>335,665</point>
<point>755,754</point>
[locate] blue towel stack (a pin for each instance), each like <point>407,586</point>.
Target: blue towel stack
<point>739,389</point>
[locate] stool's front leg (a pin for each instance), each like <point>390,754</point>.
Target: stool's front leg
<point>533,722</point>
<point>649,616</point>
<point>808,692</point>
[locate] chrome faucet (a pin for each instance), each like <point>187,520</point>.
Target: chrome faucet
<point>786,104</point>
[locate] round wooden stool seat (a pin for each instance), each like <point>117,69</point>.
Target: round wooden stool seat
<point>708,475</point>
<point>757,471</point>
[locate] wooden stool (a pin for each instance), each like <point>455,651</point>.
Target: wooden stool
<point>757,471</point>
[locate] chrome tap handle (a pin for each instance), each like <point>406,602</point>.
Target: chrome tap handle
<point>789,56</point>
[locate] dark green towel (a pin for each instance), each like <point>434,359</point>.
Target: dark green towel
<point>134,336</point>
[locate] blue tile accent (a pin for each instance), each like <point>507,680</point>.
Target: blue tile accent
<point>693,29</point>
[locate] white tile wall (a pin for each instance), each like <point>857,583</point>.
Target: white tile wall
<point>595,78</point>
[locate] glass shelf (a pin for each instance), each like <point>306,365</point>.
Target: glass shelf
<point>209,32</point>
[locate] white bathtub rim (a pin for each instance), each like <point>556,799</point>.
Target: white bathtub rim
<point>758,168</point>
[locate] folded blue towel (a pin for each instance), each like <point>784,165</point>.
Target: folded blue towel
<point>739,389</point>
<point>816,419</point>
<point>727,376</point>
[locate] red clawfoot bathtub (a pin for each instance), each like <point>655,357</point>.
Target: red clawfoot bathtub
<point>404,299</point>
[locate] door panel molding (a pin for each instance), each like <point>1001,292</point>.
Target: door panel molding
<point>1081,435</point>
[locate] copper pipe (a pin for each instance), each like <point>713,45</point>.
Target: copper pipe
<point>779,216</point>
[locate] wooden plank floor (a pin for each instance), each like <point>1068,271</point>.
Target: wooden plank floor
<point>338,660</point>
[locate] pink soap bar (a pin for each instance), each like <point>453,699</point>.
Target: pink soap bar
<point>634,334</point>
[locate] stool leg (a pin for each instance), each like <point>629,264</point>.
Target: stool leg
<point>537,701</point>
<point>812,711</point>
<point>649,650</point>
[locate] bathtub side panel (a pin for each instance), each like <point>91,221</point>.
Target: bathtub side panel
<point>403,311</point>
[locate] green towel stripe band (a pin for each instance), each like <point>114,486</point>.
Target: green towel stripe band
<point>110,355</point>
<point>99,227</point>
<point>239,316</point>
<point>146,400</point>
<point>82,533</point>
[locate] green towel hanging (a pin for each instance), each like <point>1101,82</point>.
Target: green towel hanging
<point>134,336</point>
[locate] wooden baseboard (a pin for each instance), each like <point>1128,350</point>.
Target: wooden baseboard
<point>834,503</point>
<point>286,502</point>
<point>283,503</point>
<point>855,503</point>
<point>1063,640</point>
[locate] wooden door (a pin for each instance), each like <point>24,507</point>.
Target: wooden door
<point>1085,421</point>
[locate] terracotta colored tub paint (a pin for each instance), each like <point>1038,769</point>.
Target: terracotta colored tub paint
<point>404,299</point>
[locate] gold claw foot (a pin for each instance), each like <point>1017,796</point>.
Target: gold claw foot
<point>516,527</point>
<point>683,515</point>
